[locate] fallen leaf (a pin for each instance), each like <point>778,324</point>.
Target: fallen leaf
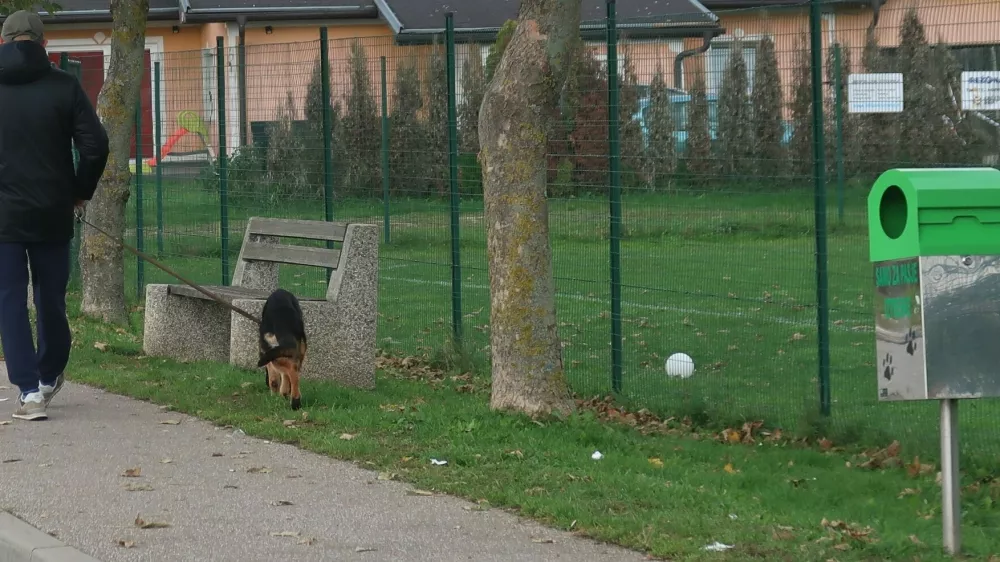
<point>386,475</point>
<point>166,461</point>
<point>230,487</point>
<point>308,541</point>
<point>783,533</point>
<point>143,524</point>
<point>292,534</point>
<point>126,543</point>
<point>365,549</point>
<point>543,541</point>
<point>138,488</point>
<point>132,472</point>
<point>170,422</point>
<point>825,444</point>
<point>258,469</point>
<point>281,503</point>
<point>842,546</point>
<point>288,423</point>
<point>9,461</point>
<point>916,540</point>
<point>347,436</point>
<point>729,468</point>
<point>656,462</point>
<point>216,454</point>
<point>893,449</point>
<point>415,492</point>
<point>100,346</point>
<point>247,384</point>
<point>908,492</point>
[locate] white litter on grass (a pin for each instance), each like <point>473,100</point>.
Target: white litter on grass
<point>733,516</point>
<point>718,547</point>
<point>436,462</point>
<point>597,456</point>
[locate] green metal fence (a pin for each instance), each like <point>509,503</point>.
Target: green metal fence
<point>689,199</point>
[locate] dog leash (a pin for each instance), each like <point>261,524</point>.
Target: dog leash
<point>146,257</point>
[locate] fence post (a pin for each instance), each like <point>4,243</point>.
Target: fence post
<point>220,62</point>
<point>140,236</point>
<point>324,71</point>
<point>158,149</point>
<point>819,188</point>
<point>385,152</point>
<point>838,84</point>
<point>614,165</point>
<point>456,247</point>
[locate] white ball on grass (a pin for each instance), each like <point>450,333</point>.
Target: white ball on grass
<point>679,365</point>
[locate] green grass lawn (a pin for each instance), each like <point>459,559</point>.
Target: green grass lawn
<point>664,488</point>
<point>727,278</point>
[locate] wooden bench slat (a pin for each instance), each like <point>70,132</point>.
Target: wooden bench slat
<point>295,255</point>
<point>228,294</point>
<point>291,228</point>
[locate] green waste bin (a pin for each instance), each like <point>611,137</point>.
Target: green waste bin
<point>934,240</point>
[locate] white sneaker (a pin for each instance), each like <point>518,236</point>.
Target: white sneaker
<point>31,407</point>
<point>49,391</point>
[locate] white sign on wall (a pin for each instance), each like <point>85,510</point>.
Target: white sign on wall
<point>981,91</point>
<point>875,93</point>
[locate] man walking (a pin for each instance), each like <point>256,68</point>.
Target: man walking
<point>43,111</point>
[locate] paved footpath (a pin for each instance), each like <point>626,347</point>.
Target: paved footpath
<point>64,476</point>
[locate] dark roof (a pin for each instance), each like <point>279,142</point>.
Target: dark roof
<point>737,4</point>
<point>98,11</point>
<point>86,11</point>
<point>229,10</point>
<point>482,18</point>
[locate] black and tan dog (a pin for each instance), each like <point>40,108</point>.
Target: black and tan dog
<point>283,344</point>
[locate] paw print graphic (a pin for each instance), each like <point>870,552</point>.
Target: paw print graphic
<point>888,370</point>
<point>911,345</point>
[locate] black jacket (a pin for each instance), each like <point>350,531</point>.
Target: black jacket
<point>43,111</point>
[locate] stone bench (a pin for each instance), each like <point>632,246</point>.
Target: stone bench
<point>182,323</point>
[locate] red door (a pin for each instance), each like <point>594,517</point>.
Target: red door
<point>92,77</point>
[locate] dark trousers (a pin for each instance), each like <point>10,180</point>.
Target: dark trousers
<point>49,277</point>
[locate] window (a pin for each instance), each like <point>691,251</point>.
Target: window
<point>717,62</point>
<point>969,57</point>
<point>462,53</point>
<point>977,57</point>
<point>210,86</point>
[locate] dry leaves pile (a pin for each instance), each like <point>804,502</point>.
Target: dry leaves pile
<point>418,369</point>
<point>844,534</point>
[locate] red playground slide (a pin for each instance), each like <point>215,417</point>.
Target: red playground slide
<point>168,146</point>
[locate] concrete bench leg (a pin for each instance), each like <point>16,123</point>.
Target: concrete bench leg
<point>334,353</point>
<point>243,340</point>
<point>184,328</point>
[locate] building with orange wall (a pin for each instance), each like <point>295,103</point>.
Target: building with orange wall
<point>280,42</point>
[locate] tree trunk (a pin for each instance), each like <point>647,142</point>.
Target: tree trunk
<point>519,110</point>
<point>102,263</point>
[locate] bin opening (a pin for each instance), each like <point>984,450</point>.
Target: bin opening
<point>892,212</point>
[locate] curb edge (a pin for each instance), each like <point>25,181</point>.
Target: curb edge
<point>22,542</point>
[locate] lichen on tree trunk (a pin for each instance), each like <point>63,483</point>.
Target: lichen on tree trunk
<point>102,263</point>
<point>519,110</point>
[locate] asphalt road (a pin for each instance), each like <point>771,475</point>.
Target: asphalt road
<point>224,495</point>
